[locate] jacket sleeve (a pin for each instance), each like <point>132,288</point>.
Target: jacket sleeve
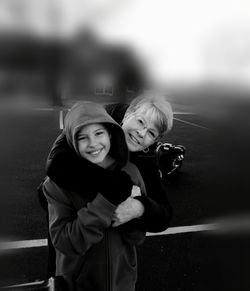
<point>74,232</point>
<point>134,230</point>
<point>158,211</point>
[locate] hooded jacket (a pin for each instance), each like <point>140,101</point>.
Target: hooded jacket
<point>90,253</point>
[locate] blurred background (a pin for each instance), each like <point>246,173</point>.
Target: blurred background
<point>184,47</point>
<point>197,53</point>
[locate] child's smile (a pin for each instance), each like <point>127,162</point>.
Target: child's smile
<point>94,144</point>
<point>95,152</point>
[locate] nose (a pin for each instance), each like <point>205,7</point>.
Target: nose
<point>92,142</point>
<point>142,132</point>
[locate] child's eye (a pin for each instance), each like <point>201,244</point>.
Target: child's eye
<point>82,138</point>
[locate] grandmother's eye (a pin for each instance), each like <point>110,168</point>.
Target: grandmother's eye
<point>140,121</point>
<point>152,134</point>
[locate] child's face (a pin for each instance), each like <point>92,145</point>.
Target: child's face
<point>94,143</point>
<point>140,131</point>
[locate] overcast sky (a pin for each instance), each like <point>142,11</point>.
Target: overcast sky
<point>188,40</point>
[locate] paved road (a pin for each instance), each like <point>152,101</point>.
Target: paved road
<point>169,262</point>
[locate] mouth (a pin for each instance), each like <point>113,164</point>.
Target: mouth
<point>95,152</point>
<point>134,140</point>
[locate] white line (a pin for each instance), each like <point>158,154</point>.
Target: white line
<point>67,109</point>
<point>191,123</point>
<point>61,119</point>
<point>224,225</point>
<point>185,229</point>
<point>49,109</point>
<point>22,244</point>
<point>183,113</point>
<point>44,109</point>
<point>32,284</point>
<point>43,284</point>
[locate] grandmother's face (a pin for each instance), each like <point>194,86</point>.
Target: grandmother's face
<point>140,131</point>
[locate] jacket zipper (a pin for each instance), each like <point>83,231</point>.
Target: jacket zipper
<point>108,271</point>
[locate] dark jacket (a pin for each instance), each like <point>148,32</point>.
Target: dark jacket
<point>90,253</point>
<point>158,212</point>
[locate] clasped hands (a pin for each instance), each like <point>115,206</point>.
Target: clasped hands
<point>129,209</point>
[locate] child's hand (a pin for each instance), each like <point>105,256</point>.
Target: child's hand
<point>129,209</point>
<point>136,191</point>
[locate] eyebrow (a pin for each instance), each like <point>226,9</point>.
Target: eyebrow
<point>100,128</point>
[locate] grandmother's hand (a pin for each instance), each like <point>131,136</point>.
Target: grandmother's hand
<point>129,209</point>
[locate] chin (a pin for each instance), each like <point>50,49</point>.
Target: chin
<point>134,148</point>
<point>96,160</point>
<point>131,146</point>
<point>99,160</point>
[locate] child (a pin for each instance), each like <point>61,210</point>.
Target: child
<point>90,253</point>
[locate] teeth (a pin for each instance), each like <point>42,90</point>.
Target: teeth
<point>133,139</point>
<point>95,152</point>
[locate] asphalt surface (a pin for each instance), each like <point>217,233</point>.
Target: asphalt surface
<point>185,261</point>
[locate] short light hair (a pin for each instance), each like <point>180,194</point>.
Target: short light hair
<point>158,106</point>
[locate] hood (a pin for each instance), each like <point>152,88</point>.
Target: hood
<point>84,113</point>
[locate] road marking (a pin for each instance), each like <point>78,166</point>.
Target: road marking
<point>183,113</point>
<point>67,109</point>
<point>61,119</point>
<point>191,123</point>
<point>44,109</point>
<point>185,229</point>
<point>172,230</point>
<point>23,244</point>
<point>49,109</point>
<point>43,284</point>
